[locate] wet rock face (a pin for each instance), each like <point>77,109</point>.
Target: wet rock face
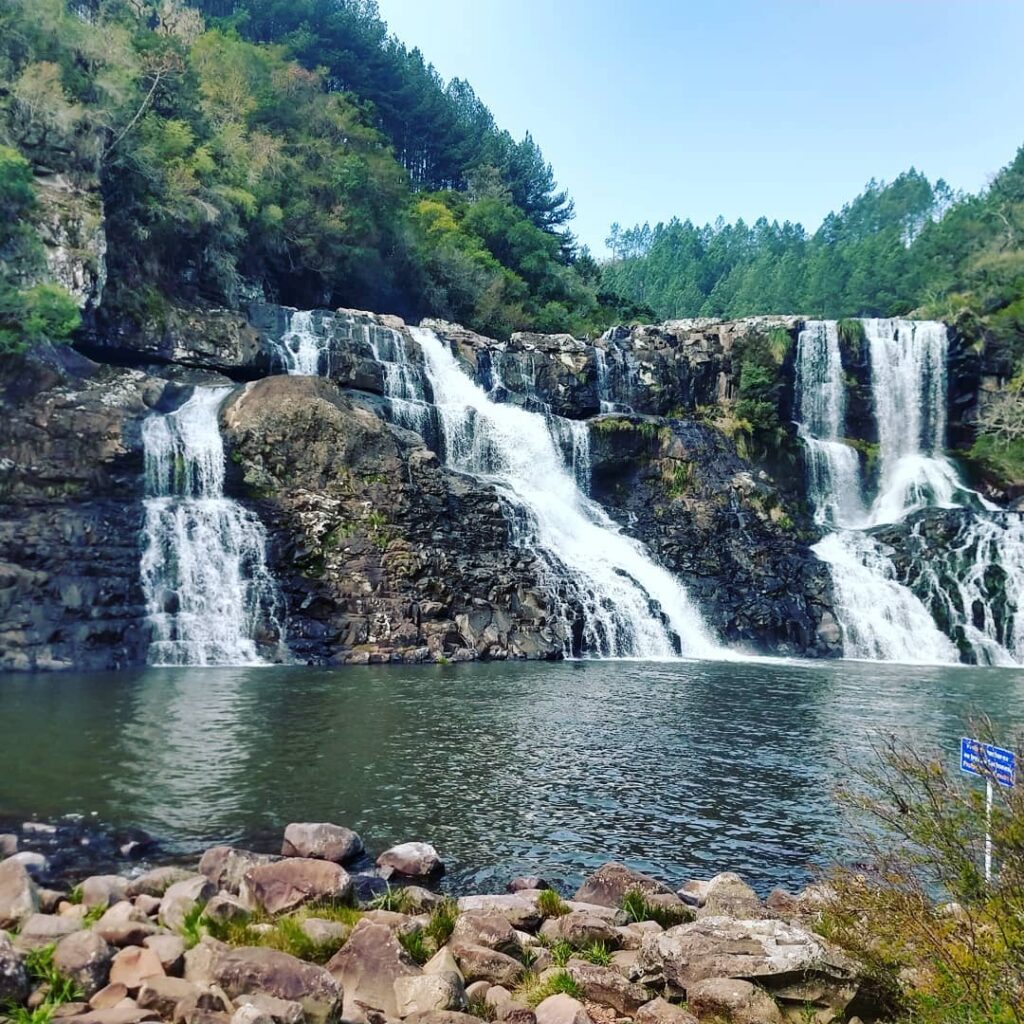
<point>382,553</point>
<point>724,528</point>
<point>71,512</point>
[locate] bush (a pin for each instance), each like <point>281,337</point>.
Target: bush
<point>943,945</point>
<point>45,312</point>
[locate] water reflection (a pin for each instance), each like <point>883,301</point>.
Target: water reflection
<point>676,768</point>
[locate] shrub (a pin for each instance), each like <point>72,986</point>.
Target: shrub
<point>550,904</point>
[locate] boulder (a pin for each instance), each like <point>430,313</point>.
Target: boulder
<point>251,1014</point>
<point>170,949</point>
<point>727,895</point>
<point>793,964</point>
<point>84,958</point>
<point>226,866</point>
<point>608,886</point>
<point>413,860</point>
<point>442,1017</point>
<point>632,935</point>
<point>519,909</point>
<point>421,901</point>
<point>19,897</point>
<point>736,1000</point>
<point>44,930</point>
<point>527,882</point>
<point>367,967</point>
<point>441,961</point>
<point>422,993</point>
<point>225,907</point>
<point>36,864</point>
<point>607,987</point>
<point>108,997</point>
<point>133,965</point>
<point>8,844</point>
<point>485,929</point>
<point>579,928</point>
<point>124,925</point>
<point>561,1009</point>
<point>182,898</point>
<point>478,963</point>
<point>14,984</point>
<point>321,841</point>
<point>280,1011</point>
<point>661,1011</point>
<point>287,884</point>
<point>103,890</point>
<point>250,969</point>
<point>157,881</point>
<point>163,994</point>
<point>477,992</point>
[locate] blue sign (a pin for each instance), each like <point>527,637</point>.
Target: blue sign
<point>977,758</point>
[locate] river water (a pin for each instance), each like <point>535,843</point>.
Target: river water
<point>680,769</point>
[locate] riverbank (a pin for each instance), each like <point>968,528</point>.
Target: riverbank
<point>320,932</point>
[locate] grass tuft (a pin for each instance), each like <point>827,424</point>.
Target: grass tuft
<point>534,992</point>
<point>396,900</point>
<point>442,922</point>
<point>551,904</point>
<point>417,944</point>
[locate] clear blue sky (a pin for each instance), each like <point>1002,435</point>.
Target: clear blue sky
<point>697,108</point>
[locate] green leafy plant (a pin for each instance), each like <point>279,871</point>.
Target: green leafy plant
<point>534,992</point>
<point>416,943</point>
<point>397,900</point>
<point>561,953</point>
<point>550,904</point>
<point>596,953</point>
<point>193,926</point>
<point>442,922</point>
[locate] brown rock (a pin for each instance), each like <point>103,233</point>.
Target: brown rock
<point>163,994</point>
<point>103,890</point>
<point>124,925</point>
<point>737,1000</point>
<point>170,949</point>
<point>289,883</point>
<point>132,966</point>
<point>478,963</point>
<point>610,884</point>
<point>561,1009</point>
<point>84,958</point>
<point>422,993</point>
<point>367,967</point>
<point>727,895</point>
<point>413,860</point>
<point>442,1017</point>
<point>321,841</point>
<point>225,907</point>
<point>580,928</point>
<point>280,1011</point>
<point>607,987</point>
<point>115,1015</point>
<point>45,929</point>
<point>108,997</point>
<point>226,867</point>
<point>156,882</point>
<point>182,898</point>
<point>519,909</point>
<point>19,897</point>
<point>485,929</point>
<point>661,1011</point>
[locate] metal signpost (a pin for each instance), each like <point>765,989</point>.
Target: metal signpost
<point>990,763</point>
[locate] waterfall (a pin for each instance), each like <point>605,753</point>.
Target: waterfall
<point>209,594</point>
<point>881,617</point>
<point>300,345</point>
<point>628,605</point>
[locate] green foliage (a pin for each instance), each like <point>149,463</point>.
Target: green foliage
<point>42,971</point>
<point>757,416</point>
<point>397,900</point>
<point>851,334</point>
<point>416,942</point>
<point>637,907</point>
<point>193,926</point>
<point>550,904</point>
<point>596,953</point>
<point>534,992</point>
<point>442,922</point>
<point>561,953</point>
<point>286,933</point>
<point>943,945</point>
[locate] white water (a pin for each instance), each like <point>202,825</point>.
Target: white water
<point>881,618</point>
<point>300,345</point>
<point>204,573</point>
<point>608,576</point>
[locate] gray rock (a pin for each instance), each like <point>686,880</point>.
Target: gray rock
<point>182,898</point>
<point>442,1017</point>
<point>280,1011</point>
<point>14,984</point>
<point>19,897</point>
<point>251,1014</point>
<point>108,997</point>
<point>121,1014</point>
<point>163,994</point>
<point>661,1011</point>
<point>727,895</point>
<point>321,841</point>
<point>527,882</point>
<point>736,1000</point>
<point>225,907</point>
<point>609,885</point>
<point>367,967</point>
<point>441,961</point>
<point>248,970</point>
<point>492,930</point>
<point>413,860</point>
<point>84,958</point>
<point>124,925</point>
<point>44,930</point>
<point>478,963</point>
<point>8,845</point>
<point>606,987</point>
<point>36,864</point>
<point>103,890</point>
<point>579,928</point>
<point>322,931</point>
<point>519,909</point>
<point>226,866</point>
<point>421,901</point>
<point>425,992</point>
<point>290,883</point>
<point>157,881</point>
<point>561,1009</point>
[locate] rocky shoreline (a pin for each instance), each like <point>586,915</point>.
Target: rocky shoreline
<point>322,933</point>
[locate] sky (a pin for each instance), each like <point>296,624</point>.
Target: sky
<point>698,108</point>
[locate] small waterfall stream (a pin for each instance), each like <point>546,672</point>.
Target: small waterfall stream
<point>630,606</point>
<point>882,618</point>
<point>209,593</point>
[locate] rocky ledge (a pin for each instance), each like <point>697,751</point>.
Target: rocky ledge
<point>320,933</point>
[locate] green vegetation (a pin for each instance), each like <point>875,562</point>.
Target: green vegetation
<point>286,933</point>
<point>42,974</point>
<point>397,900</point>
<point>596,953</point>
<point>638,908</point>
<point>561,953</point>
<point>442,922</point>
<point>289,149</point>
<point>550,904</point>
<point>193,927</point>
<point>533,992</point>
<point>758,427</point>
<point>943,946</point>
<point>417,944</point>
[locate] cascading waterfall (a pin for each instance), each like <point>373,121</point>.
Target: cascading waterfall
<point>209,593</point>
<point>300,345</point>
<point>630,606</point>
<point>882,618</point>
